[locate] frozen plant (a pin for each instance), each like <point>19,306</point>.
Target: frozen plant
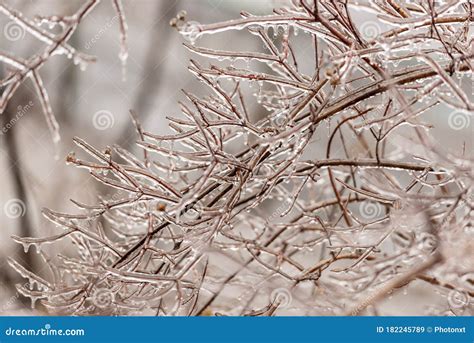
<point>20,70</point>
<point>310,180</point>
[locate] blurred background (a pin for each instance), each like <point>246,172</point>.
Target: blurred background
<point>94,103</point>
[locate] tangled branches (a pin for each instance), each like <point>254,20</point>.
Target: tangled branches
<point>298,185</point>
<point>54,44</point>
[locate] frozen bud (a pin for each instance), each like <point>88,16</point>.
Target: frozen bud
<point>161,207</point>
<point>71,158</point>
<point>190,31</point>
<point>334,81</point>
<point>108,151</point>
<point>173,22</point>
<point>181,15</point>
<point>329,72</point>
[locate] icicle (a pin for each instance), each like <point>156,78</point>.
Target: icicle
<point>123,56</point>
<point>26,246</point>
